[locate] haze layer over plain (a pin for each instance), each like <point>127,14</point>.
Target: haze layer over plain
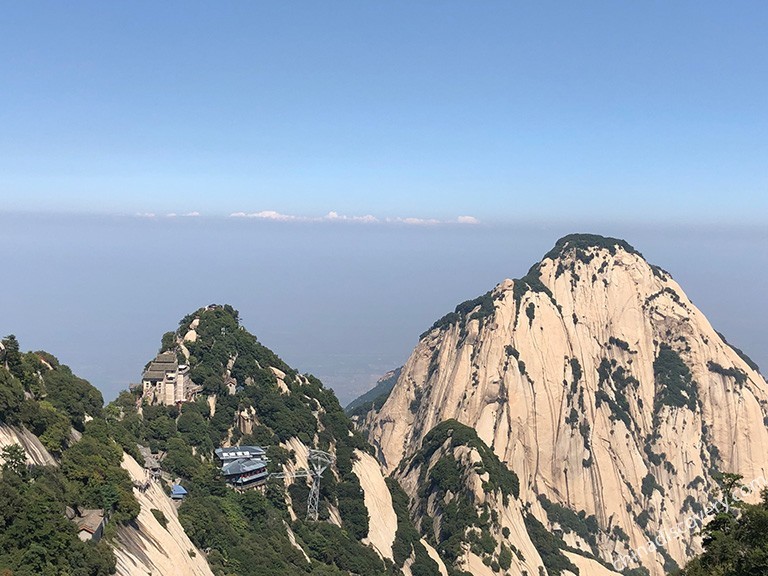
<point>343,301</point>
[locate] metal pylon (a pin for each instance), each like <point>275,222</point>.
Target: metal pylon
<point>319,461</point>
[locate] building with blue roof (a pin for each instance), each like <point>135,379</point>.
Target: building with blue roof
<point>178,492</point>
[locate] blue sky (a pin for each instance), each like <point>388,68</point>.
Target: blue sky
<point>647,111</point>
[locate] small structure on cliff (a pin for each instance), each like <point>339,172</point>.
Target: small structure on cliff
<point>178,492</point>
<point>90,523</point>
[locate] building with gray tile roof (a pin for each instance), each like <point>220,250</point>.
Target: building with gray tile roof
<point>243,466</point>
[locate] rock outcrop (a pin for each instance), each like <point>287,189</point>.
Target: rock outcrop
<point>378,502</point>
<point>36,452</point>
<point>602,386</point>
<point>146,546</point>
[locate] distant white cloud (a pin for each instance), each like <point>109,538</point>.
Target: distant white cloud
<point>335,216</point>
<point>366,219</point>
<point>146,214</point>
<point>269,215</point>
<point>191,214</point>
<point>415,221</point>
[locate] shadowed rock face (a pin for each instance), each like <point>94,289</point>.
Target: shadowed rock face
<point>600,384</point>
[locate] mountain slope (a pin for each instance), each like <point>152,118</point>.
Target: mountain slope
<point>84,454</point>
<point>59,460</point>
<point>248,395</point>
<point>600,384</point>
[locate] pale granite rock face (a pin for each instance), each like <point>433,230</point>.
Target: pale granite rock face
<point>146,547</point>
<point>556,372</point>
<point>34,449</point>
<point>378,501</point>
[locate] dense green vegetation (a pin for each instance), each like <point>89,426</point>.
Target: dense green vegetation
<point>674,383</point>
<point>221,338</point>
<point>738,375</point>
<point>549,546</point>
<point>734,545</point>
<point>407,538</point>
<point>36,538</point>
<point>618,342</point>
<point>614,378</point>
<point>245,534</point>
<point>582,242</point>
<point>58,400</point>
<point>452,434</point>
<point>579,523</point>
<point>38,392</point>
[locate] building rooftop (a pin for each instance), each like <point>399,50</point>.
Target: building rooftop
<point>178,491</point>
<point>238,452</point>
<point>89,520</point>
<point>165,362</point>
<point>243,466</point>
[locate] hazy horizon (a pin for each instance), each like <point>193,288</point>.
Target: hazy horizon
<point>341,300</point>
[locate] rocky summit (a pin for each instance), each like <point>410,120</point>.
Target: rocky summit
<point>597,381</point>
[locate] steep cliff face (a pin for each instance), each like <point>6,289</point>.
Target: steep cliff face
<point>147,547</point>
<point>600,384</point>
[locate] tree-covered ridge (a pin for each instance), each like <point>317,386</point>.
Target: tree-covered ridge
<point>444,479</point>
<point>475,309</point>
<point>45,396</point>
<point>222,341</point>
<point>248,534</point>
<point>583,248</point>
<point>66,413</point>
<point>453,434</point>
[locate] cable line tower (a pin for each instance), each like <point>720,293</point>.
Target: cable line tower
<point>319,462</point>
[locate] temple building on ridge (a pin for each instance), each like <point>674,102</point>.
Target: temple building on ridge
<point>167,382</point>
